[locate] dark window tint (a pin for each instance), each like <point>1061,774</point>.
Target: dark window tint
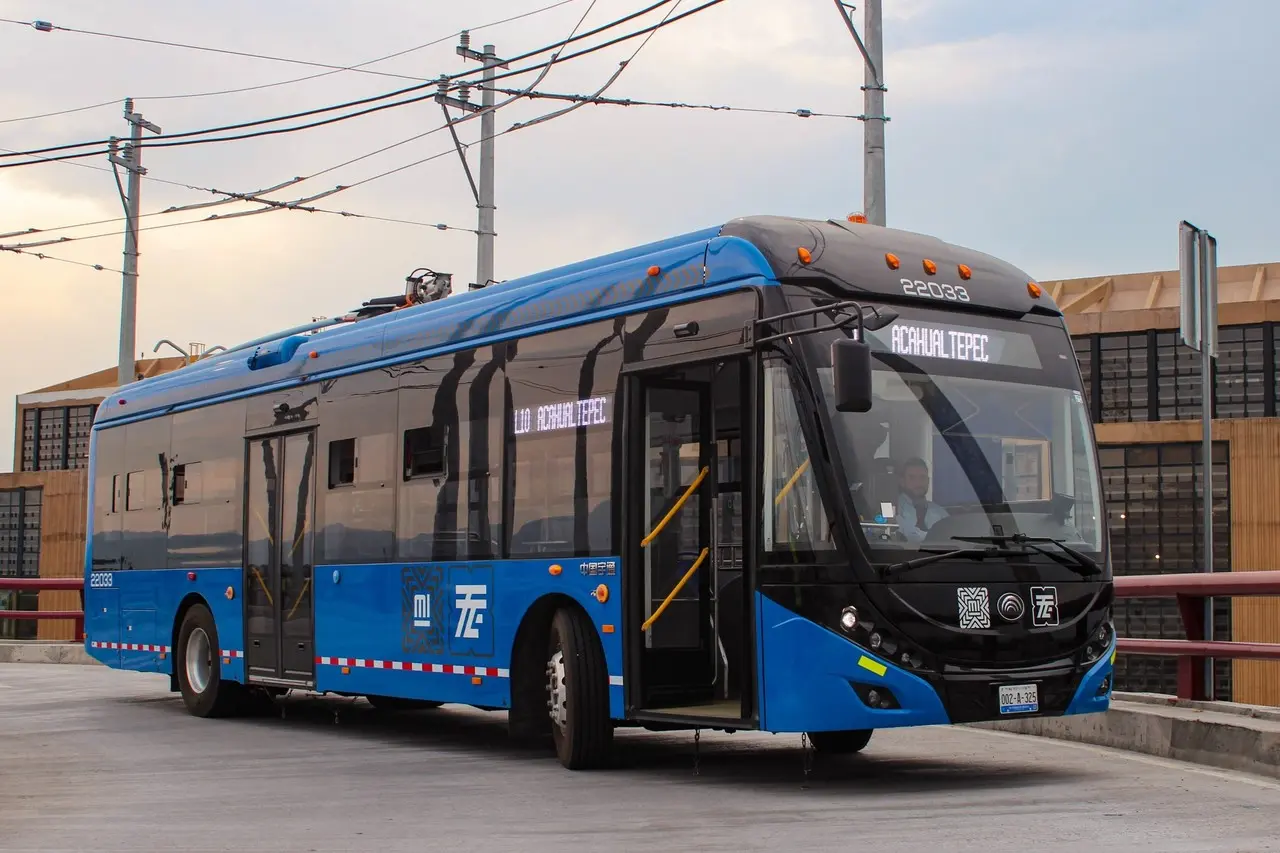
<point>424,452</point>
<point>1122,376</point>
<point>1241,383</point>
<point>20,519</point>
<point>56,438</point>
<point>561,441</point>
<point>1154,499</point>
<point>342,462</point>
<point>1177,378</point>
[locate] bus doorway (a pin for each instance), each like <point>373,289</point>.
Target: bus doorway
<point>279,561</point>
<point>689,636</point>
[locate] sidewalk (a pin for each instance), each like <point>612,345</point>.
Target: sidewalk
<point>36,651</point>
<point>1218,734</point>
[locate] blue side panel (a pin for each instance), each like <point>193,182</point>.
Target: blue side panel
<point>809,677</point>
<point>131,617</point>
<point>446,631</point>
<point>1087,700</point>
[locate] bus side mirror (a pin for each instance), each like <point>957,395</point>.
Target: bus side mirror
<point>851,372</point>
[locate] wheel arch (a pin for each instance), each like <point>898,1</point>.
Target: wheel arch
<point>190,600</point>
<point>528,717</point>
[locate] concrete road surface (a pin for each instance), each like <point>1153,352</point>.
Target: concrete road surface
<point>93,759</point>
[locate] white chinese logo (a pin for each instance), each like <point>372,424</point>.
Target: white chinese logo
<point>975,607</point>
<point>422,610</point>
<point>1044,606</point>
<point>471,600</point>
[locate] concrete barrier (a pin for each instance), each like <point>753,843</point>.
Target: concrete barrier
<point>1218,734</point>
<point>22,651</point>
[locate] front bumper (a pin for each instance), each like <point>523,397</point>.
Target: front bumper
<point>814,679</point>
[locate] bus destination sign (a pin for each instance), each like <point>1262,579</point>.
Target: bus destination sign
<point>553,417</point>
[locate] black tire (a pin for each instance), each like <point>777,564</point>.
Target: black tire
<point>394,704</point>
<point>584,737</point>
<point>841,743</point>
<point>217,698</point>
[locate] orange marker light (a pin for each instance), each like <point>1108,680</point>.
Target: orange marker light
<point>313,354</point>
<point>857,217</point>
<point>554,570</point>
<point>606,629</point>
<point>804,255</point>
<point>930,267</point>
<point>230,593</point>
<point>602,593</point>
<point>346,670</point>
<point>475,679</point>
<point>892,260</point>
<point>1034,290</point>
<point>965,272</point>
<point>655,271</point>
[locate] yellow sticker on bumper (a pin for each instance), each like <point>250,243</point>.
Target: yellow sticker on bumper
<point>874,666</point>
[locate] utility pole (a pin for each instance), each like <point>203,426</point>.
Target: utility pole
<point>873,117</point>
<point>131,160</point>
<point>484,191</point>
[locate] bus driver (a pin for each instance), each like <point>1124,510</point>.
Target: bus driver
<point>916,513</point>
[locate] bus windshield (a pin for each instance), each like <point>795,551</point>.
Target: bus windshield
<point>978,429</point>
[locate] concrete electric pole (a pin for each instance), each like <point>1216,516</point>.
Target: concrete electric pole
<point>873,117</point>
<point>131,159</point>
<point>484,191</point>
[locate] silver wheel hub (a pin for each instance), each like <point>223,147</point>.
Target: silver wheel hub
<point>199,660</point>
<point>558,691</point>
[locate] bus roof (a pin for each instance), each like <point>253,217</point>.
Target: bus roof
<point>757,250</point>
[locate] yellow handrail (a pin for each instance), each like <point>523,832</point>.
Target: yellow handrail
<point>782,493</point>
<point>653,534</point>
<point>684,580</point>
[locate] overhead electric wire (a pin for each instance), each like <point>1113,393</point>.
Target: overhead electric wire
<point>272,204</point>
<point>42,256</point>
<point>160,140</point>
<point>633,102</point>
<point>357,67</point>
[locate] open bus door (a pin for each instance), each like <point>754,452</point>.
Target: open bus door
<point>689,643</point>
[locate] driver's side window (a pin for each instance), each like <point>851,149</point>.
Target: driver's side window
<point>795,518</point>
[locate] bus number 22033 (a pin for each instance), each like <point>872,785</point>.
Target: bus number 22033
<point>101,580</point>
<point>935,290</point>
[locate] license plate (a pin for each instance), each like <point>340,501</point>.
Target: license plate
<point>1019,698</point>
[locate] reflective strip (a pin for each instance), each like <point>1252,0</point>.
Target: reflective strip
<point>615,681</point>
<point>232,653</point>
<point>410,666</point>
<point>872,665</point>
<point>130,647</point>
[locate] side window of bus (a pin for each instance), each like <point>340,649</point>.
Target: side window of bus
<point>560,448</point>
<point>450,420</point>
<point>795,517</point>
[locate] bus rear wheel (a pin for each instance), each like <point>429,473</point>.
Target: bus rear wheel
<point>199,675</point>
<point>578,693</point>
<point>841,743</point>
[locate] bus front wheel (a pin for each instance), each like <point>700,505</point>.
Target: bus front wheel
<point>841,743</point>
<point>199,676</point>
<point>578,693</point>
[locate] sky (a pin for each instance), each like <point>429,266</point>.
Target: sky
<point>1066,138</point>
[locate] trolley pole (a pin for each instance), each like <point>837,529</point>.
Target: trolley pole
<point>130,160</point>
<point>873,117</point>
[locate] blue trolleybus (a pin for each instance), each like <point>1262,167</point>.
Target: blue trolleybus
<point>779,475</point>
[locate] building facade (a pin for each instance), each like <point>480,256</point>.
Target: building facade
<point>1144,393</point>
<point>44,501</point>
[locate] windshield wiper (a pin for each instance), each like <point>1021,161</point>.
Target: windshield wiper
<point>937,556</point>
<point>1081,564</point>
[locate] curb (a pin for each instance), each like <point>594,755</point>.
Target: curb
<point>45,652</point>
<point>1233,740</point>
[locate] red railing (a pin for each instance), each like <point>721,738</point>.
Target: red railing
<point>1190,591</point>
<point>26,584</point>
